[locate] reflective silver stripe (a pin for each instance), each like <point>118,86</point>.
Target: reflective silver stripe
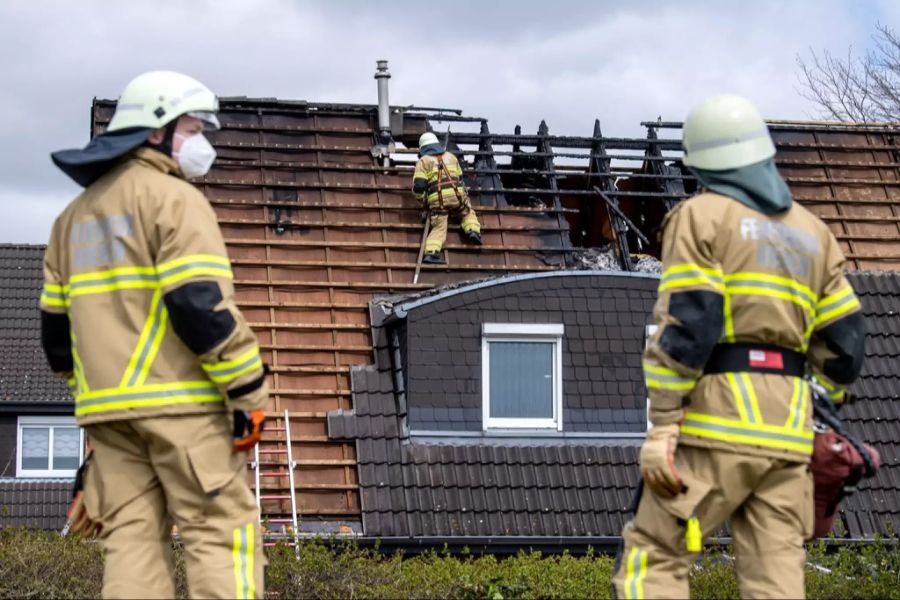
<point>749,431</point>
<point>148,395</point>
<point>745,396</point>
<point>719,142</point>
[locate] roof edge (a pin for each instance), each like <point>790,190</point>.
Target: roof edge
<point>401,309</point>
<point>22,407</point>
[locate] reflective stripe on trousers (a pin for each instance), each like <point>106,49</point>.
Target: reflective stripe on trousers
<point>635,571</point>
<point>242,555</point>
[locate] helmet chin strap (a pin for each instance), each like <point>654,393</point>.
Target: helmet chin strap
<point>165,146</point>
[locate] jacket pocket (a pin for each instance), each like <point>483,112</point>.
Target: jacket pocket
<point>214,464</point>
<point>684,505</point>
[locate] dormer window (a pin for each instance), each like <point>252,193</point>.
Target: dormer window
<point>521,376</point>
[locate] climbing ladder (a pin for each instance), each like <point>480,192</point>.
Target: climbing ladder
<point>289,464</point>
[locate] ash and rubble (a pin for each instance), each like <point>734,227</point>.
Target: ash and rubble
<point>605,259</point>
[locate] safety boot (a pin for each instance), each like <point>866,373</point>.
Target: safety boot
<point>474,238</point>
<point>433,258</point>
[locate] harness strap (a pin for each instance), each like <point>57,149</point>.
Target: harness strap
<point>744,357</point>
<point>442,171</point>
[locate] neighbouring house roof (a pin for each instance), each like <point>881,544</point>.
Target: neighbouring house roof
<point>34,503</point>
<point>26,381</point>
<point>875,417</point>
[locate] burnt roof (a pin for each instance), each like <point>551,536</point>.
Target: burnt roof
<point>25,378</point>
<point>847,174</point>
<point>316,228</point>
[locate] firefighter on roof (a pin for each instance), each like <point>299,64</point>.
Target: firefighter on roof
<point>752,298</point>
<point>138,312</point>
<point>437,182</point>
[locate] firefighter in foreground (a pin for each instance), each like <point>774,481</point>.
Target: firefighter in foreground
<point>752,298</point>
<point>138,312</point>
<point>437,183</point>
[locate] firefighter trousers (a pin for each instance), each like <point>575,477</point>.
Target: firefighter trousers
<point>769,503</point>
<point>439,221</point>
<point>148,474</point>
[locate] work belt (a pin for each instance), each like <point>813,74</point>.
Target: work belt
<point>742,357</point>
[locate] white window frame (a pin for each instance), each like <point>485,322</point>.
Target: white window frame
<point>52,423</point>
<point>650,330</point>
<point>521,332</point>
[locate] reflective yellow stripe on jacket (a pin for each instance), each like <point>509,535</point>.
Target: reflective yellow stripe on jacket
<point>750,283</point>
<point>123,278</point>
<point>836,305</point>
<point>835,394</point>
<point>142,396</point>
<point>760,434</point>
<point>227,371</point>
<point>54,295</point>
<point>691,275</point>
<point>148,343</point>
<point>663,378</point>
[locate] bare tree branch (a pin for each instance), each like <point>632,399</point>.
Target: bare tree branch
<point>858,88</point>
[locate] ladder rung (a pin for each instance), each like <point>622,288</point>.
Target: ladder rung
<point>280,520</point>
<point>274,474</point>
<point>326,462</point>
<point>273,429</point>
<point>274,497</point>
<point>295,415</point>
<point>274,451</point>
<point>316,486</point>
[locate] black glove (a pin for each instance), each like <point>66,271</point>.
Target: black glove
<point>248,428</point>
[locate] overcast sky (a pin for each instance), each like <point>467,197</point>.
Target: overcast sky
<point>509,61</point>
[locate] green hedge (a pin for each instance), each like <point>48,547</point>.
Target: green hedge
<point>43,565</point>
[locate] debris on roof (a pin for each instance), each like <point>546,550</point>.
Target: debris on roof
<point>605,259</point>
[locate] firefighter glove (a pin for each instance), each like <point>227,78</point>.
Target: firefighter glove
<point>658,461</point>
<point>248,428</point>
<point>77,520</point>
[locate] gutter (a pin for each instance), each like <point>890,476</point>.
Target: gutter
<point>66,408</point>
<point>399,311</point>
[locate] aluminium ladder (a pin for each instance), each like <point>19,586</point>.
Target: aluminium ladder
<point>291,464</point>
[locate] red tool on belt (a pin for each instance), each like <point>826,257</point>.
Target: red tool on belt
<point>839,462</point>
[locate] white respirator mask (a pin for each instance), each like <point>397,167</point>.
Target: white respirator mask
<point>196,156</point>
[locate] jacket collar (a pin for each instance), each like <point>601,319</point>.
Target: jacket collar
<point>155,160</point>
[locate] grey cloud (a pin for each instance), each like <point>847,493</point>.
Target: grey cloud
<point>566,62</point>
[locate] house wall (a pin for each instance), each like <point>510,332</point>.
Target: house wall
<point>8,445</point>
<point>604,318</point>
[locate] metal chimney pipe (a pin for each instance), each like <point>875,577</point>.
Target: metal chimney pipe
<point>384,110</point>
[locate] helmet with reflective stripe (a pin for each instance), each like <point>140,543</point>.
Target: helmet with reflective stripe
<point>725,132</point>
<point>157,98</point>
<point>428,138</point>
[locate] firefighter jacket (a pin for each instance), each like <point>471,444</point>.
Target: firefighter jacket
<point>138,301</point>
<point>748,304</point>
<point>435,185</point>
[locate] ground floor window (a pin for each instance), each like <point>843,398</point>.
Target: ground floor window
<point>48,447</point>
